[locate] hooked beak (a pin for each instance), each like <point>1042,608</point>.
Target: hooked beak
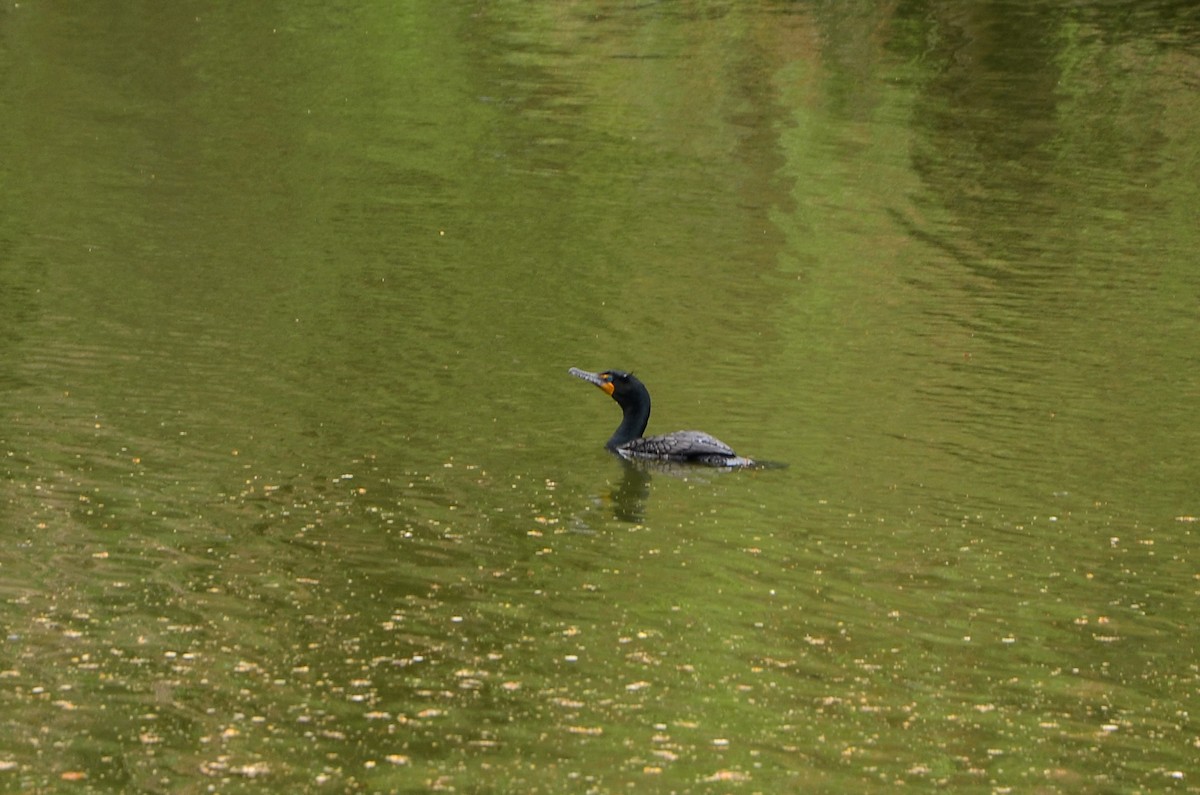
<point>593,378</point>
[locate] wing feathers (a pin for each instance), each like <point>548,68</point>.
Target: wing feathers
<point>678,446</point>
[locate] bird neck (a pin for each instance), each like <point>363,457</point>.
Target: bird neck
<point>633,423</point>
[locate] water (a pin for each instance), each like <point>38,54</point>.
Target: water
<point>297,492</point>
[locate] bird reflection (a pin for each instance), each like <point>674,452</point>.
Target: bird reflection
<point>631,493</point>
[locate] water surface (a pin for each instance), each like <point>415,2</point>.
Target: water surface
<point>297,493</point>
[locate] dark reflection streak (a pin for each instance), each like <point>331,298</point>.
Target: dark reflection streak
<point>912,230</point>
<point>629,496</point>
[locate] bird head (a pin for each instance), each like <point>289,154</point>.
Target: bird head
<point>621,386</point>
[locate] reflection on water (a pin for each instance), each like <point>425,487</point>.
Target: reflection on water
<point>630,494</point>
<point>295,496</point>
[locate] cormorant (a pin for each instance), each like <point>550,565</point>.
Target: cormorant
<point>695,447</point>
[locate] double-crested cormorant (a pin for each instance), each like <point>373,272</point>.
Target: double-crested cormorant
<point>694,447</point>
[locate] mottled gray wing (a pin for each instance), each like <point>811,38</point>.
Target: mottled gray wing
<point>681,444</point>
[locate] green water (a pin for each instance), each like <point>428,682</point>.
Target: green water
<point>296,493</point>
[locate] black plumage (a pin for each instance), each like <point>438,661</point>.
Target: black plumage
<point>627,441</point>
